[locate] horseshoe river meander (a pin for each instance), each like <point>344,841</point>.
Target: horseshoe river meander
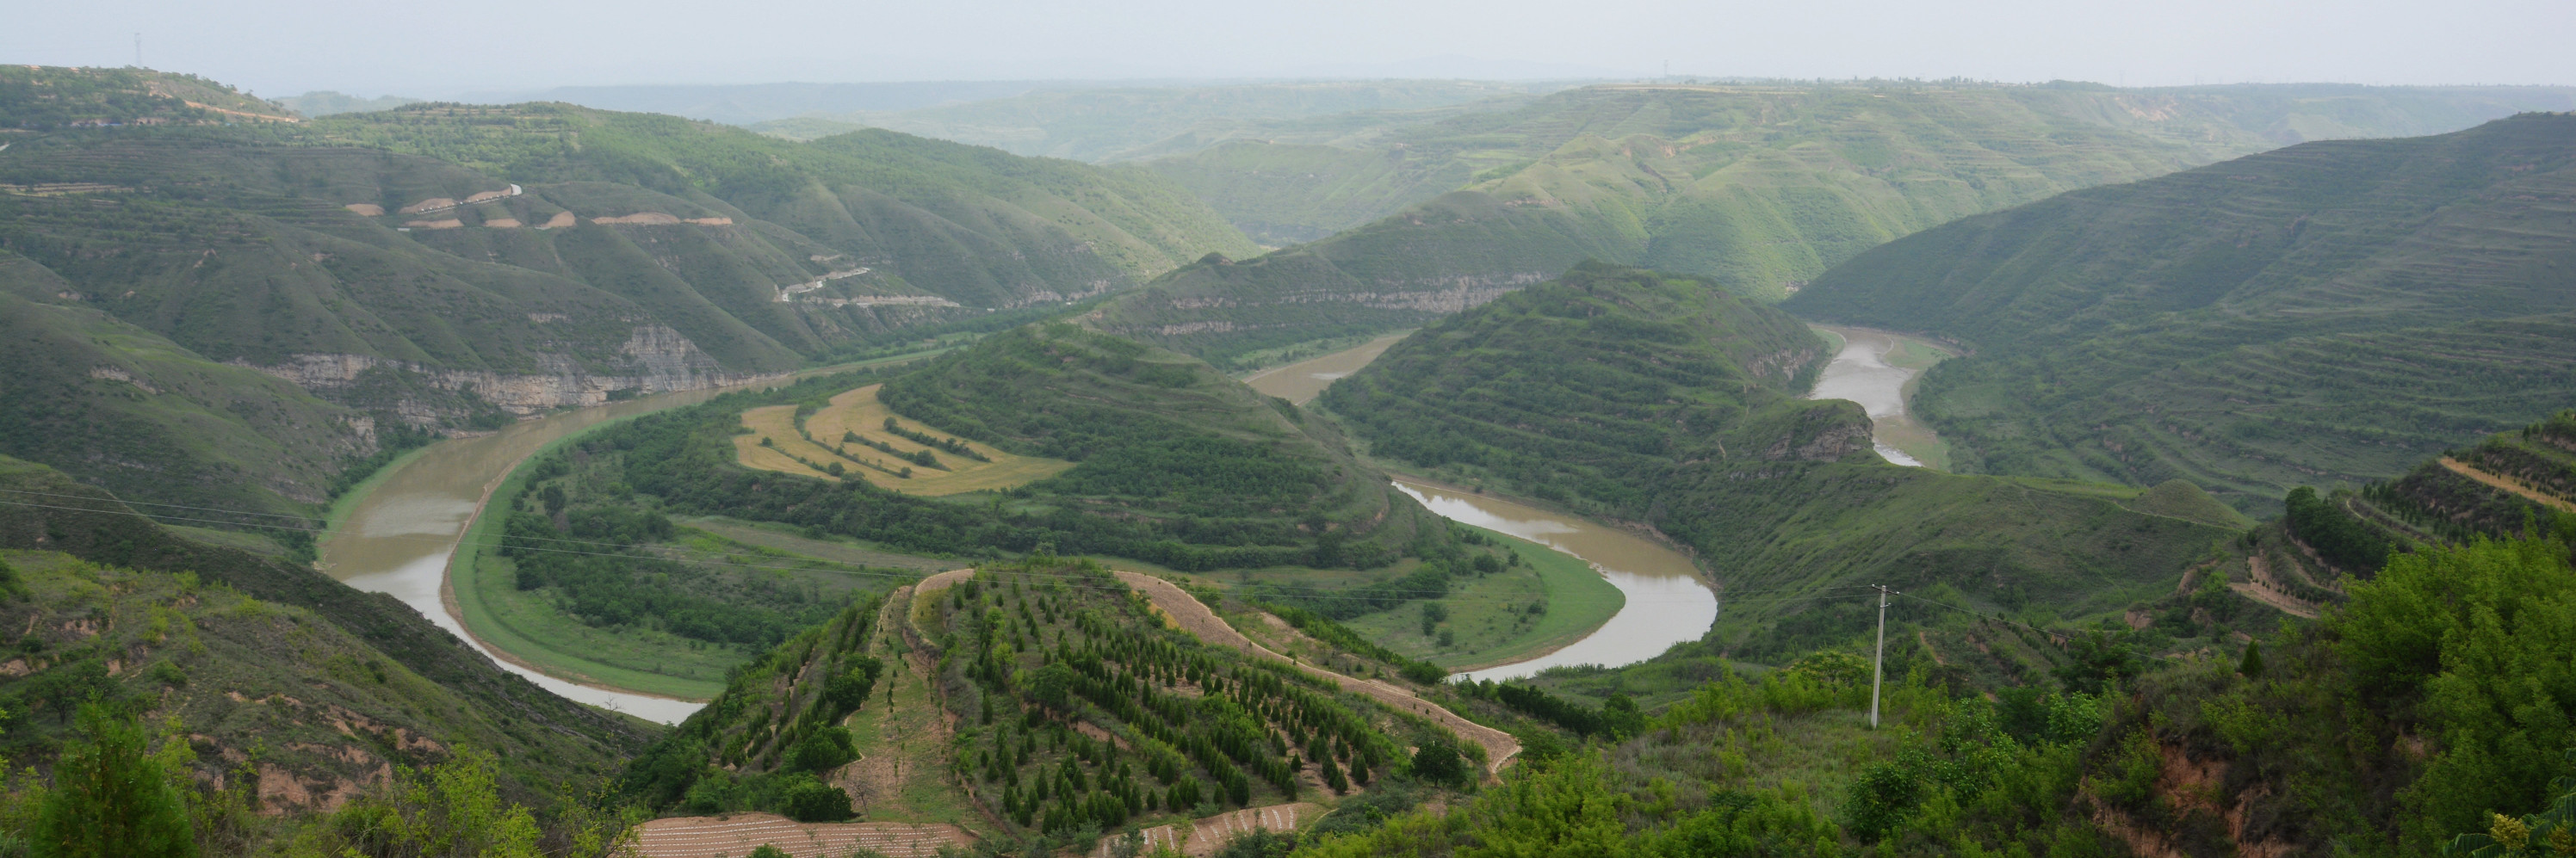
<point>399,538</point>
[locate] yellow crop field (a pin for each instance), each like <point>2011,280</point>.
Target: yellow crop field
<point>858,412</point>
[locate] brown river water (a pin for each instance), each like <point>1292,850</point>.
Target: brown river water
<point>402,534</point>
<point>1668,600</point>
<point>1863,372</point>
<point>1304,380</point>
<point>1668,603</point>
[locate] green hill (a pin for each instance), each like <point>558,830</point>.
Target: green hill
<point>2328,313</point>
<point>1630,395</point>
<point>1075,711</point>
<point>1820,163</point>
<point>326,102</point>
<point>1173,465</point>
<point>1760,188</point>
<point>312,687</point>
<point>138,415</point>
<point>1101,125</point>
<point>39,97</point>
<point>433,267</point>
<point>1651,369</point>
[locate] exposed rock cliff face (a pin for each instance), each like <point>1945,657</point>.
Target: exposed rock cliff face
<point>655,359</point>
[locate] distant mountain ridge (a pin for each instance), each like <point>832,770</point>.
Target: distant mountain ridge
<point>1760,188</point>
<point>1115,123</point>
<point>2327,313</point>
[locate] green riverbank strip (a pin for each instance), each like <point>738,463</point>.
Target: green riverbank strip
<point>536,633</point>
<point>521,627</point>
<point>1487,614</point>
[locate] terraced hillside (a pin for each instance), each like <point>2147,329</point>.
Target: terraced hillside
<point>1632,395</point>
<point>854,434</point>
<point>1760,188</point>
<point>430,268</point>
<point>275,673</point>
<point>1053,703</point>
<point>2331,313</point>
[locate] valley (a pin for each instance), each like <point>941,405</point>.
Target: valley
<point>1287,468</point>
<point>1879,369</point>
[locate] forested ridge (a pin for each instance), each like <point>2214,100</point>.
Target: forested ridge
<point>2333,311</point>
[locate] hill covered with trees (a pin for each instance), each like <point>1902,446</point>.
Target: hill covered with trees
<point>2330,312</point>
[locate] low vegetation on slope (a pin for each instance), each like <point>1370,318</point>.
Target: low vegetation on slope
<point>52,98</point>
<point>279,689</point>
<point>854,434</point>
<point>152,420</point>
<point>1631,395</point>
<point>2332,312</point>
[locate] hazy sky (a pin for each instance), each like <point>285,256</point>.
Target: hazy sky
<point>445,47</point>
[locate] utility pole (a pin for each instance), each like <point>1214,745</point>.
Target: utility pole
<point>1878,660</point>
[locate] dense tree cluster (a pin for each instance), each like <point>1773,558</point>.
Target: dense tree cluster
<point>1062,656</point>
<point>2336,535</point>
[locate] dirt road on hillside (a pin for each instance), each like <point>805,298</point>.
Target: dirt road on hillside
<point>1197,619</point>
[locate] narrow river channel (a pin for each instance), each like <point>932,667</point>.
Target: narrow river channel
<point>402,534</point>
<point>1869,370</point>
<point>1668,601</point>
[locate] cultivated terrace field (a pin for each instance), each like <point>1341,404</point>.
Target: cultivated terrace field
<point>855,434</point>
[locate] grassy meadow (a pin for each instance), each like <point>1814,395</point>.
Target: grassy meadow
<point>1488,617</point>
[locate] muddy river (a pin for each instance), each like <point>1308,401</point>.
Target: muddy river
<point>1667,601</point>
<point>401,535</point>
<point>1874,369</point>
<point>1306,379</point>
